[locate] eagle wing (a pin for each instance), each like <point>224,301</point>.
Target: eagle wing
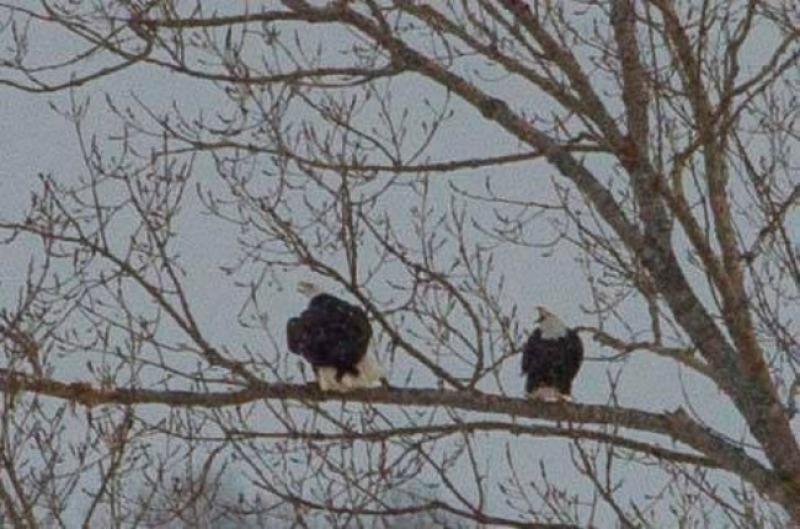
<point>573,354</point>
<point>539,356</point>
<point>329,332</point>
<point>294,335</point>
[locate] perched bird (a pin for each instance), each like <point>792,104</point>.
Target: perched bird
<point>551,358</point>
<point>333,336</point>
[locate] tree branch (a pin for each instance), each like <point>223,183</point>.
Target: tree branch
<point>676,425</point>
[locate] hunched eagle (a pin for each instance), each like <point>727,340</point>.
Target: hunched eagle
<point>333,336</point>
<point>551,358</point>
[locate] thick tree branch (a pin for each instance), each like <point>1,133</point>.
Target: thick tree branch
<point>676,425</point>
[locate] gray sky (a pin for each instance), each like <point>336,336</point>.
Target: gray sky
<point>36,140</point>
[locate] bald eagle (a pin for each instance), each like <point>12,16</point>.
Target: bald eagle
<point>551,358</point>
<point>333,336</point>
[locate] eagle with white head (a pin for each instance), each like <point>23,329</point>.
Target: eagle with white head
<point>333,336</point>
<point>551,359</point>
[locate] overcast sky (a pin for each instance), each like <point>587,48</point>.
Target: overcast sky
<point>35,139</point>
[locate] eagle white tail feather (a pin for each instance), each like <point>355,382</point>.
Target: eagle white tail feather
<point>326,377</point>
<point>370,374</point>
<point>546,394</point>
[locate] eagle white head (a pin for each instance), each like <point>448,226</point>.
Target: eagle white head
<point>551,325</point>
<point>308,289</point>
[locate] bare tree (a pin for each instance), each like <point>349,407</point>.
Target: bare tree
<point>423,158</point>
<point>200,500</point>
